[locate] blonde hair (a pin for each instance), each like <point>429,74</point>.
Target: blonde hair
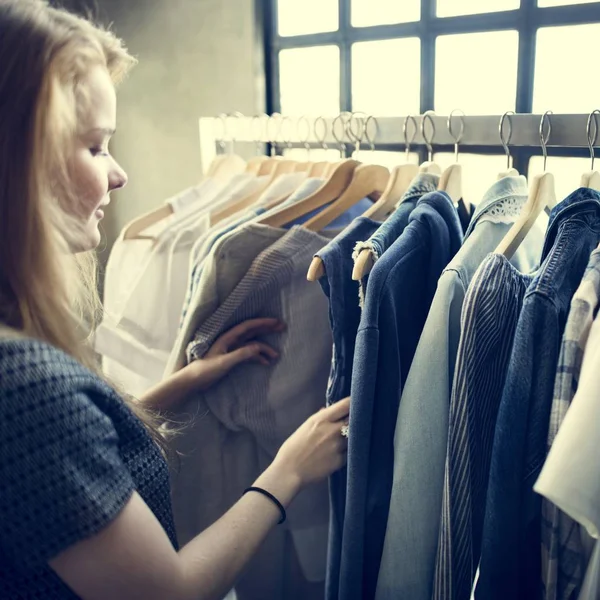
<point>47,291</point>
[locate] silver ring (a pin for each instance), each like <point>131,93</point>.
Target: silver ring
<point>345,431</point>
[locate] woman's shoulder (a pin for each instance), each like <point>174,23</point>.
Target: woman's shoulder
<point>37,371</point>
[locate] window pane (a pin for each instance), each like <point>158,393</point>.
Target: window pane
<point>548,3</point>
<point>453,8</point>
<point>565,79</point>
<point>476,72</point>
<point>380,12</point>
<point>567,172</point>
<point>479,172</point>
<point>307,16</point>
<point>375,90</point>
<point>310,81</point>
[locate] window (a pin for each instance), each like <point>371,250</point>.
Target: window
<point>399,57</point>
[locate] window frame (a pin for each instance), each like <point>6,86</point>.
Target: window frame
<point>526,20</point>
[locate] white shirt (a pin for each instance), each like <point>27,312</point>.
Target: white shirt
<point>571,475</point>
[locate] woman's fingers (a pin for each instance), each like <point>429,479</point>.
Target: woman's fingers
<point>338,411</point>
<point>250,329</point>
<point>256,351</point>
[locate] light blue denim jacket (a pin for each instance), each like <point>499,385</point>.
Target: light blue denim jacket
<point>408,564</point>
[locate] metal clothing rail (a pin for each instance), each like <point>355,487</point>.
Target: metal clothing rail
<point>221,134</point>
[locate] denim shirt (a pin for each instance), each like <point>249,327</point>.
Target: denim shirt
<point>511,556</point>
<point>344,316</point>
<point>422,424</point>
<point>391,229</point>
<point>400,290</point>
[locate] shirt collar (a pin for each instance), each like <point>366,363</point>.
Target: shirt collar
<point>422,184</point>
<point>581,199</point>
<point>503,189</point>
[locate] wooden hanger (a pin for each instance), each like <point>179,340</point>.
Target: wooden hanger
<point>542,195</point>
<point>134,229</point>
<point>282,167</point>
<point>254,165</point>
<point>508,173</point>
<point>212,169</point>
<point>318,169</point>
<point>364,263</point>
<point>451,183</point>
<point>400,180</point>
<point>331,190</point>
<point>430,167</point>
<point>591,179</point>
<point>228,167</point>
<point>303,167</point>
<point>367,180</point>
<point>451,178</point>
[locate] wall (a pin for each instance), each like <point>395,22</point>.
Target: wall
<point>196,58</point>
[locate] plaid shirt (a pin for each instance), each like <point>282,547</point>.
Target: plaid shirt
<point>562,552</point>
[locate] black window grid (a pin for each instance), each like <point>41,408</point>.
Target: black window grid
<point>526,20</point>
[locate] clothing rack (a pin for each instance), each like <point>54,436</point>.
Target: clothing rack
<point>478,134</point>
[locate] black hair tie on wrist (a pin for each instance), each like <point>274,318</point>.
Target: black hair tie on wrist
<point>272,499</point>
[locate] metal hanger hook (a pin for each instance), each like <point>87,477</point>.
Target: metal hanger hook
<point>357,137</point>
<point>287,139</point>
<point>506,141</point>
<point>457,138</point>
<point>274,121</point>
<point>237,115</point>
<point>592,139</point>
<point>342,118</point>
<point>222,148</point>
<point>428,116</point>
<point>303,120</point>
<point>408,141</point>
<point>371,139</point>
<point>261,138</point>
<point>321,139</point>
<point>544,139</point>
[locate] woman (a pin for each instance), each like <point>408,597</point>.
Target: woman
<point>84,493</point>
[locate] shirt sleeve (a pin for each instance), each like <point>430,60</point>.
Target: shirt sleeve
<point>62,476</point>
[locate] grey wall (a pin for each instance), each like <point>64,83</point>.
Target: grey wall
<point>196,58</point>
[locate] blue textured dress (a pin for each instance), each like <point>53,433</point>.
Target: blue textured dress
<point>71,455</point>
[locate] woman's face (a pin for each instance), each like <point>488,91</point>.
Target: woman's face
<point>94,172</point>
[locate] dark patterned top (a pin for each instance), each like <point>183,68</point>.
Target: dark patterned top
<point>71,455</point>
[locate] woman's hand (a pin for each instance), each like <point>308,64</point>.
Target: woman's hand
<point>317,449</point>
<point>239,345</point>
<point>235,347</point>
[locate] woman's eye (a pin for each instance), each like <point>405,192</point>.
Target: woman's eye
<point>98,152</point>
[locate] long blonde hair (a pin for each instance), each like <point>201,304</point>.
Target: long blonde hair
<point>46,291</point>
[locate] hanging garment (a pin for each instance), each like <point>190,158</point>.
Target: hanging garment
<point>142,337</point>
<point>271,403</point>
<point>421,436</point>
<point>344,318</point>
<point>200,299</point>
<point>562,551</point>
<point>489,319</point>
<point>400,290</point>
<point>135,267</point>
<point>395,224</point>
<point>570,478</point>
<point>511,557</point>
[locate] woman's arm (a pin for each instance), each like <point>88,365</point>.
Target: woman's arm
<point>133,558</point>
<point>237,346</point>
